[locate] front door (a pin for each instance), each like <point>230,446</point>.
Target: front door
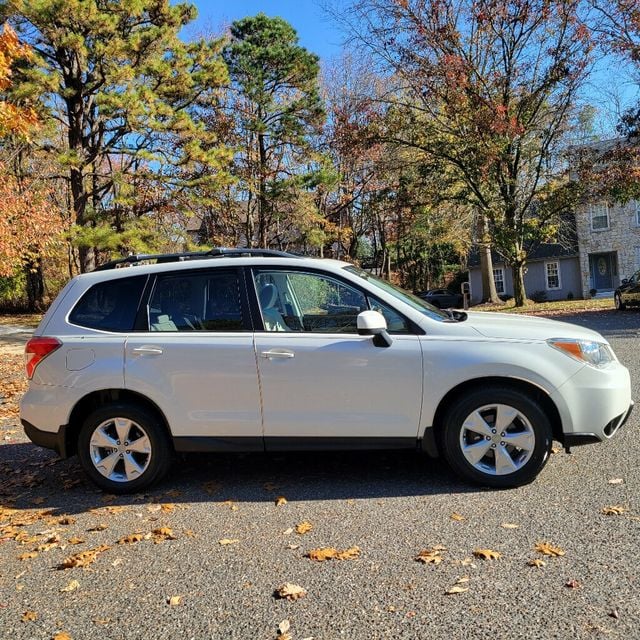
<point>320,380</point>
<point>602,270</point>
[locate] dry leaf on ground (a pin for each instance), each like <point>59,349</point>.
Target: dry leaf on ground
<point>99,527</point>
<point>284,626</point>
<point>290,591</point>
<point>330,553</point>
<point>29,616</point>
<point>616,481</point>
<point>132,538</point>
<point>163,533</point>
<point>430,556</point>
<point>537,562</point>
<point>75,540</point>
<point>457,517</point>
<point>547,549</point>
<point>614,510</point>
<point>174,601</point>
<point>572,584</point>
<point>304,527</point>
<point>456,589</point>
<point>28,556</point>
<point>83,558</point>
<point>62,635</point>
<point>72,586</point>
<point>226,541</point>
<point>280,501</point>
<point>509,525</point>
<point>487,554</point>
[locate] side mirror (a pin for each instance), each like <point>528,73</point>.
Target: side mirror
<point>372,323</point>
<point>625,281</point>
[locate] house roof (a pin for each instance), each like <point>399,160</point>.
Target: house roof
<point>542,252</point>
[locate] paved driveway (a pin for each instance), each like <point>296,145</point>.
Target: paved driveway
<point>390,505</point>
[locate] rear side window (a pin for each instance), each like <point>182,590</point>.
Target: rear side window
<point>110,306</point>
<point>197,302</point>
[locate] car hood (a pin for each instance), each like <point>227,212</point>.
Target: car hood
<point>518,327</point>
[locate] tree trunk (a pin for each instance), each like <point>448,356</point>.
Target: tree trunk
<point>489,293</point>
<point>262,195</point>
<point>35,287</point>
<point>519,293</point>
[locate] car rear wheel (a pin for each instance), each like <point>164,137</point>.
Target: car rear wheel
<point>497,437</point>
<point>617,299</point>
<point>123,448</point>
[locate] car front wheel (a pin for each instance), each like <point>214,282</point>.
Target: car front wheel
<point>497,437</point>
<point>123,448</point>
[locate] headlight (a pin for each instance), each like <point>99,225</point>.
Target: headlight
<point>597,354</point>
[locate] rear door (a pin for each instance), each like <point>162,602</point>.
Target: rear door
<point>197,360</point>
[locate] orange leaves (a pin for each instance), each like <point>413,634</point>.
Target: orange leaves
<point>614,510</point>
<point>537,562</point>
<point>303,527</point>
<point>487,554</point>
<point>431,556</point>
<point>29,616</point>
<point>547,549</point>
<point>84,558</point>
<point>330,553</point>
<point>280,501</point>
<point>132,538</point>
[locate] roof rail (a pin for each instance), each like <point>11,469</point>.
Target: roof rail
<point>217,252</point>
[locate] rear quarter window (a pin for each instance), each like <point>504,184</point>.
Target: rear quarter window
<point>110,305</point>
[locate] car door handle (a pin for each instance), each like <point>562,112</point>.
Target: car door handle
<point>148,351</point>
<point>277,354</point>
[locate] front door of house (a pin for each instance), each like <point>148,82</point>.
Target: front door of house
<point>602,270</point>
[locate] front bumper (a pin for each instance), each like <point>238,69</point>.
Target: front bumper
<point>576,439</point>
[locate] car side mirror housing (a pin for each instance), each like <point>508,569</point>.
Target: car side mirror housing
<point>372,323</point>
<point>625,281</point>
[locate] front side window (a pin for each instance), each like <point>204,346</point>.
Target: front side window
<point>498,278</point>
<point>189,301</point>
<point>299,301</point>
<point>599,216</point>
<point>553,275</point>
<point>110,305</point>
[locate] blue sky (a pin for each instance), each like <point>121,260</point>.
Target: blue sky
<point>316,32</point>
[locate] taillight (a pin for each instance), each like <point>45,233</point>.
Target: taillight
<point>37,350</point>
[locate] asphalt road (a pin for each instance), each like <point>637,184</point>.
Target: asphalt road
<point>390,505</point>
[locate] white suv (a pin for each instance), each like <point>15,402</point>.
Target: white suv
<point>252,350</point>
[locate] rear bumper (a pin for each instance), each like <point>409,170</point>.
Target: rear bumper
<point>48,439</point>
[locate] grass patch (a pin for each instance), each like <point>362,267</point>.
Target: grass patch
<point>557,307</point>
<point>21,319</point>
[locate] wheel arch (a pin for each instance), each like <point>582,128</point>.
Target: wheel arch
<point>534,391</point>
<point>96,399</point>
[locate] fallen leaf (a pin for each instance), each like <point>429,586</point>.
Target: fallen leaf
<point>289,591</point>
<point>280,501</point>
<point>99,527</point>
<point>72,586</point>
<point>284,626</point>
<point>329,553</point>
<point>430,556</point>
<point>487,554</point>
<point>304,527</point>
<point>62,635</point>
<point>293,546</point>
<point>226,541</point>
<point>167,507</point>
<point>29,616</point>
<point>547,549</point>
<point>556,449</point>
<point>616,481</point>
<point>572,584</point>
<point>132,538</point>
<point>614,510</point>
<point>288,532</point>
<point>174,601</point>
<point>75,540</point>
<point>614,614</point>
<point>163,533</point>
<point>457,517</point>
<point>83,558</point>
<point>537,562</point>
<point>456,589</point>
<point>28,556</point>
<point>509,525</point>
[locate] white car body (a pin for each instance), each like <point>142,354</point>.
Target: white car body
<point>258,389</point>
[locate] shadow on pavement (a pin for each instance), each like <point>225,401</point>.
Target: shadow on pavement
<point>37,478</point>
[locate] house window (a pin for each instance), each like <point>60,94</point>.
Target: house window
<point>637,210</point>
<point>552,270</point>
<point>498,278</point>
<point>599,216</point>
<point>637,258</point>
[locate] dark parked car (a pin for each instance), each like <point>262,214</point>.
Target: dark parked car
<point>442,298</point>
<point>628,293</point>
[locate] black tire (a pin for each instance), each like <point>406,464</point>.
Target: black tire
<point>617,299</point>
<point>151,462</point>
<point>530,424</point>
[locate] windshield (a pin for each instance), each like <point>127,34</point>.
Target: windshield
<point>408,298</point>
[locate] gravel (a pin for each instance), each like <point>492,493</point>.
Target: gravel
<point>391,505</point>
